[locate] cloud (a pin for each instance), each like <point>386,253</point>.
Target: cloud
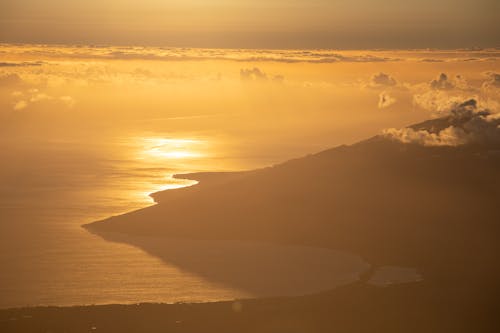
<point>437,102</point>
<point>68,100</point>
<point>21,64</point>
<point>20,105</point>
<point>246,55</point>
<point>385,100</point>
<point>443,82</point>
<point>494,80</point>
<point>465,125</point>
<point>443,94</point>
<point>447,137</point>
<point>34,96</point>
<point>37,97</point>
<point>255,75</point>
<point>188,54</point>
<point>313,58</point>
<point>382,80</point>
<point>389,86</point>
<point>431,60</point>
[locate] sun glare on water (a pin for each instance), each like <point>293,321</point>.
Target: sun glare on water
<point>171,156</point>
<point>173,148</point>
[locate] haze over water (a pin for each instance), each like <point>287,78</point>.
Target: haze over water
<point>47,258</point>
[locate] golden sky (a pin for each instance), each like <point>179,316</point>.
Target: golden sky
<point>270,103</point>
<point>255,23</point>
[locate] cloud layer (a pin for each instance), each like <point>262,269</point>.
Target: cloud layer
<point>239,55</point>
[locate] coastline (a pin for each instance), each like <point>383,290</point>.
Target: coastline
<point>391,203</point>
<point>382,309</point>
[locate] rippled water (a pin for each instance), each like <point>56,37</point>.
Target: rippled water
<point>46,258</point>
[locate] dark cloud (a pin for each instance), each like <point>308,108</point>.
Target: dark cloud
<point>431,60</point>
<point>442,83</point>
<point>22,64</point>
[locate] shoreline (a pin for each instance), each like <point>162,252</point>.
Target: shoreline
<point>381,309</point>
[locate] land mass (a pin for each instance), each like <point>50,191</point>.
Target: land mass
<point>433,208</point>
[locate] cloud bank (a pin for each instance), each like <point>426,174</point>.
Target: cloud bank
<point>466,124</point>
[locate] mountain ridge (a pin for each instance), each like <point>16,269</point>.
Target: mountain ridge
<point>433,208</point>
<point>378,180</point>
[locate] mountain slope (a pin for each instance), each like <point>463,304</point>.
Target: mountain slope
<point>379,198</point>
<point>434,208</point>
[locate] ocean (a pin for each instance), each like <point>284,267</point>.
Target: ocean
<point>48,190</point>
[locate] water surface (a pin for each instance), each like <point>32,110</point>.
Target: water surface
<point>48,191</point>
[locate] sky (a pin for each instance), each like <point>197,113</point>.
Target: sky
<point>242,103</point>
<point>341,24</point>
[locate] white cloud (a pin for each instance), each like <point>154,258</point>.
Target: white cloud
<point>465,124</point>
<point>38,97</point>
<point>67,100</point>
<point>20,105</point>
<point>443,94</point>
<point>385,100</point>
<point>438,102</point>
<point>34,96</point>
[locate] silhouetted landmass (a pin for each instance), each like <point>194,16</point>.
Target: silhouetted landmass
<point>432,208</point>
<point>392,203</point>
